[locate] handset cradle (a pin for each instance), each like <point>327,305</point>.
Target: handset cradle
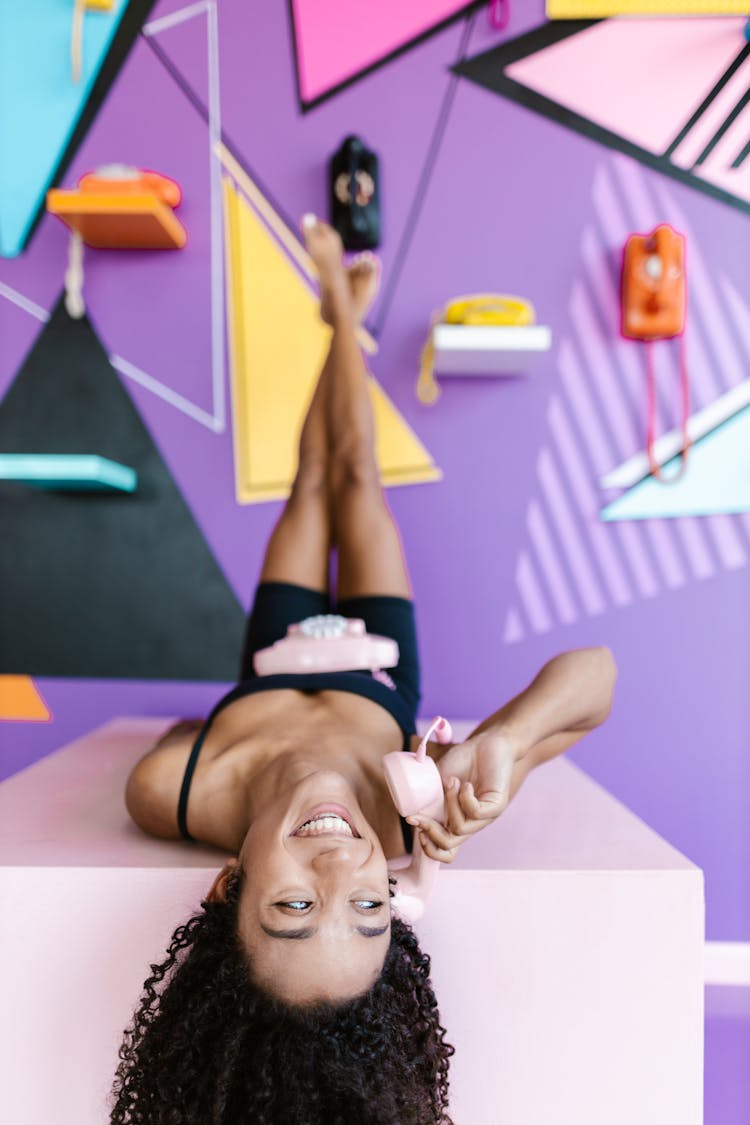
<point>416,787</point>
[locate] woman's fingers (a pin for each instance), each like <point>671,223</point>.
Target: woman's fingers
<point>455,817</point>
<point>471,806</point>
<point>472,809</point>
<point>435,850</point>
<point>465,814</point>
<point>442,855</point>
<point>463,807</point>
<point>436,839</point>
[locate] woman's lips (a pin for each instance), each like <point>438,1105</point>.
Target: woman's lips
<point>331,810</point>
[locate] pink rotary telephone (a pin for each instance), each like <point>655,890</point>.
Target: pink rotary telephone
<point>416,787</point>
<point>327,643</point>
<point>330,643</point>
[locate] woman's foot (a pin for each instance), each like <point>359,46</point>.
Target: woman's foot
<point>363,275</point>
<point>343,290</point>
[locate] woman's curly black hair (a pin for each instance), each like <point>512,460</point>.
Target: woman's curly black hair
<point>207,1046</point>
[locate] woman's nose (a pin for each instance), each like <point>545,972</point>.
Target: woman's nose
<point>335,855</point>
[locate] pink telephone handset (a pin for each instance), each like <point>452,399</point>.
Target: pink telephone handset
<point>416,787</point>
<point>327,643</point>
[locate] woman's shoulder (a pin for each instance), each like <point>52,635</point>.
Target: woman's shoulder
<point>153,787</point>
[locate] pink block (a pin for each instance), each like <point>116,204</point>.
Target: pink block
<point>337,39</point>
<point>567,946</point>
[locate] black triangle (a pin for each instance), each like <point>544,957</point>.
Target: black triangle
<point>102,584</point>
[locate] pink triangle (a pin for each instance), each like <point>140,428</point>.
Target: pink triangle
<point>337,39</point>
<point>641,79</point>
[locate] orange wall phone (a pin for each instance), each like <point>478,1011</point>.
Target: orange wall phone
<point>654,302</point>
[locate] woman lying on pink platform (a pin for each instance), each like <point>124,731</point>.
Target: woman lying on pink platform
<point>299,992</point>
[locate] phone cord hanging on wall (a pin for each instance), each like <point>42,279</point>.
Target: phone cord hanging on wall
<point>74,302</point>
<point>653,308</point>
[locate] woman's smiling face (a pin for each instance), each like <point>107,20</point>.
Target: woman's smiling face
<point>314,912</point>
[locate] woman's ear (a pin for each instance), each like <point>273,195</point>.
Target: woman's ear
<point>218,890</point>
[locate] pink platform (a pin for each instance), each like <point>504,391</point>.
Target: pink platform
<point>567,946</point>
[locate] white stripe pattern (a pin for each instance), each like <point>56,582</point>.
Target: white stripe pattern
<point>572,564</point>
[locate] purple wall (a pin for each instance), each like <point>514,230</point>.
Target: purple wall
<point>514,202</point>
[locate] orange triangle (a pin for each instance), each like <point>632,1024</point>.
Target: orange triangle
<point>20,700</point>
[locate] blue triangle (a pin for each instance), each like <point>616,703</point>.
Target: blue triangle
<point>717,480</point>
<point>39,102</point>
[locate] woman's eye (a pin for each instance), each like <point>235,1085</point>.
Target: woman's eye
<point>298,904</point>
<point>369,903</point>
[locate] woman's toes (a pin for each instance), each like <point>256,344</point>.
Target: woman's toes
<point>322,241</point>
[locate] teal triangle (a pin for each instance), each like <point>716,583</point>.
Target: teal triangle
<point>717,480</point>
<point>40,104</point>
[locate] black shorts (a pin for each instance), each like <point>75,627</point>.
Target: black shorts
<point>280,604</point>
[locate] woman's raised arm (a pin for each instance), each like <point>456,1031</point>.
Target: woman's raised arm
<point>570,696</point>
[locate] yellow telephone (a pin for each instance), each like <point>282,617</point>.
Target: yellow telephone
<point>477,308</point>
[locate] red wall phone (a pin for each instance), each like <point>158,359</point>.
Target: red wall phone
<point>654,302</point>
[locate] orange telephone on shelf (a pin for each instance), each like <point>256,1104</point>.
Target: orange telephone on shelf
<point>121,207</point>
<point>116,207</point>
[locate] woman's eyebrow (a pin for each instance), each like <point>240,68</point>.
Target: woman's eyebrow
<point>310,931</point>
<point>292,935</point>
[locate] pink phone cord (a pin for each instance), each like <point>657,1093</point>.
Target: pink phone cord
<point>654,466</point>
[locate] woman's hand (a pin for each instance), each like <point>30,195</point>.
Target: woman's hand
<point>476,780</point>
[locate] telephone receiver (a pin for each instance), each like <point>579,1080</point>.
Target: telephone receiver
<point>124,179</point>
<point>488,309</point>
<point>416,787</point>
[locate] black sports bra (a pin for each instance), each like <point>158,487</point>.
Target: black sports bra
<point>358,683</point>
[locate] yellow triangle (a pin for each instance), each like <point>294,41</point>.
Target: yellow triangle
<point>277,345</point>
<point>20,700</point>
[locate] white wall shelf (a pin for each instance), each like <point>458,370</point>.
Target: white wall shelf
<point>467,349</point>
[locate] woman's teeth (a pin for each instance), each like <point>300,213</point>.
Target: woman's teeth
<point>324,825</point>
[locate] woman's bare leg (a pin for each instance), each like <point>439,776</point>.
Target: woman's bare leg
<point>370,559</point>
<point>299,548</point>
